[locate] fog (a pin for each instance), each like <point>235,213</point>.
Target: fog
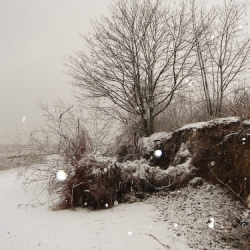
<point>36,36</point>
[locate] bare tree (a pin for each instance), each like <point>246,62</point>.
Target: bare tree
<point>102,130</point>
<point>64,133</point>
<point>137,59</point>
<point>223,50</point>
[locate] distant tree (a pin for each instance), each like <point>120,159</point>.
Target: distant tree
<point>137,58</point>
<point>223,50</point>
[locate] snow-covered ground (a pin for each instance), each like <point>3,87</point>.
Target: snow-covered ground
<point>178,220</point>
<point>126,226</point>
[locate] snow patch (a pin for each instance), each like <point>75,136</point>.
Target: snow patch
<point>148,143</point>
<point>181,171</point>
<point>182,155</point>
<point>246,122</point>
<point>98,158</point>
<point>211,123</point>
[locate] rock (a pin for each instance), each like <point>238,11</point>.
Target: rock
<point>197,181</point>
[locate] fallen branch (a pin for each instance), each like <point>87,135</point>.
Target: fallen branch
<point>227,186</point>
<point>239,220</point>
<point>151,235</point>
<point>36,198</point>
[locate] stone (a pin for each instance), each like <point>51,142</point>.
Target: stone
<point>196,182</point>
<point>210,188</point>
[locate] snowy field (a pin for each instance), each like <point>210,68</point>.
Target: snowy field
<point>126,226</point>
<point>177,221</point>
<point>190,218</point>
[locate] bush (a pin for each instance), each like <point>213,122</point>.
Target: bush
<point>238,103</point>
<point>63,142</point>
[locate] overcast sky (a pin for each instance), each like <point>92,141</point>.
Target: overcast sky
<point>35,37</point>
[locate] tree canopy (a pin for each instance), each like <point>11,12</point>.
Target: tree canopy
<point>146,51</point>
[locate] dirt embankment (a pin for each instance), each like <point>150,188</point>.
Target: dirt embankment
<point>219,151</point>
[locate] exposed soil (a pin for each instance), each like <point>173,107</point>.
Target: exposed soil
<point>220,151</point>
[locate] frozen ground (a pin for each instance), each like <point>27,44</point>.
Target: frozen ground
<point>131,226</point>
<point>178,220</point>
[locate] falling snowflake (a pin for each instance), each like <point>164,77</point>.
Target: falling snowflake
<point>158,153</point>
<point>212,37</point>
<point>129,233</point>
<point>61,175</point>
<point>106,205</point>
<point>23,118</point>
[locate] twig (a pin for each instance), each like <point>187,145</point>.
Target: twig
<point>151,235</point>
<point>226,185</point>
<point>158,188</point>
<point>238,218</point>
<point>72,192</point>
<point>33,199</point>
<point>226,137</point>
<point>200,147</point>
<point>60,117</point>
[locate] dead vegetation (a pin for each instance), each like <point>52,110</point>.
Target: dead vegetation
<point>217,151</point>
<point>98,186</point>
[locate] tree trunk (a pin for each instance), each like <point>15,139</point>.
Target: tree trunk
<point>151,122</point>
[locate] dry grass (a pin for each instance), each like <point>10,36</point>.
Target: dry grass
<point>12,156</point>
